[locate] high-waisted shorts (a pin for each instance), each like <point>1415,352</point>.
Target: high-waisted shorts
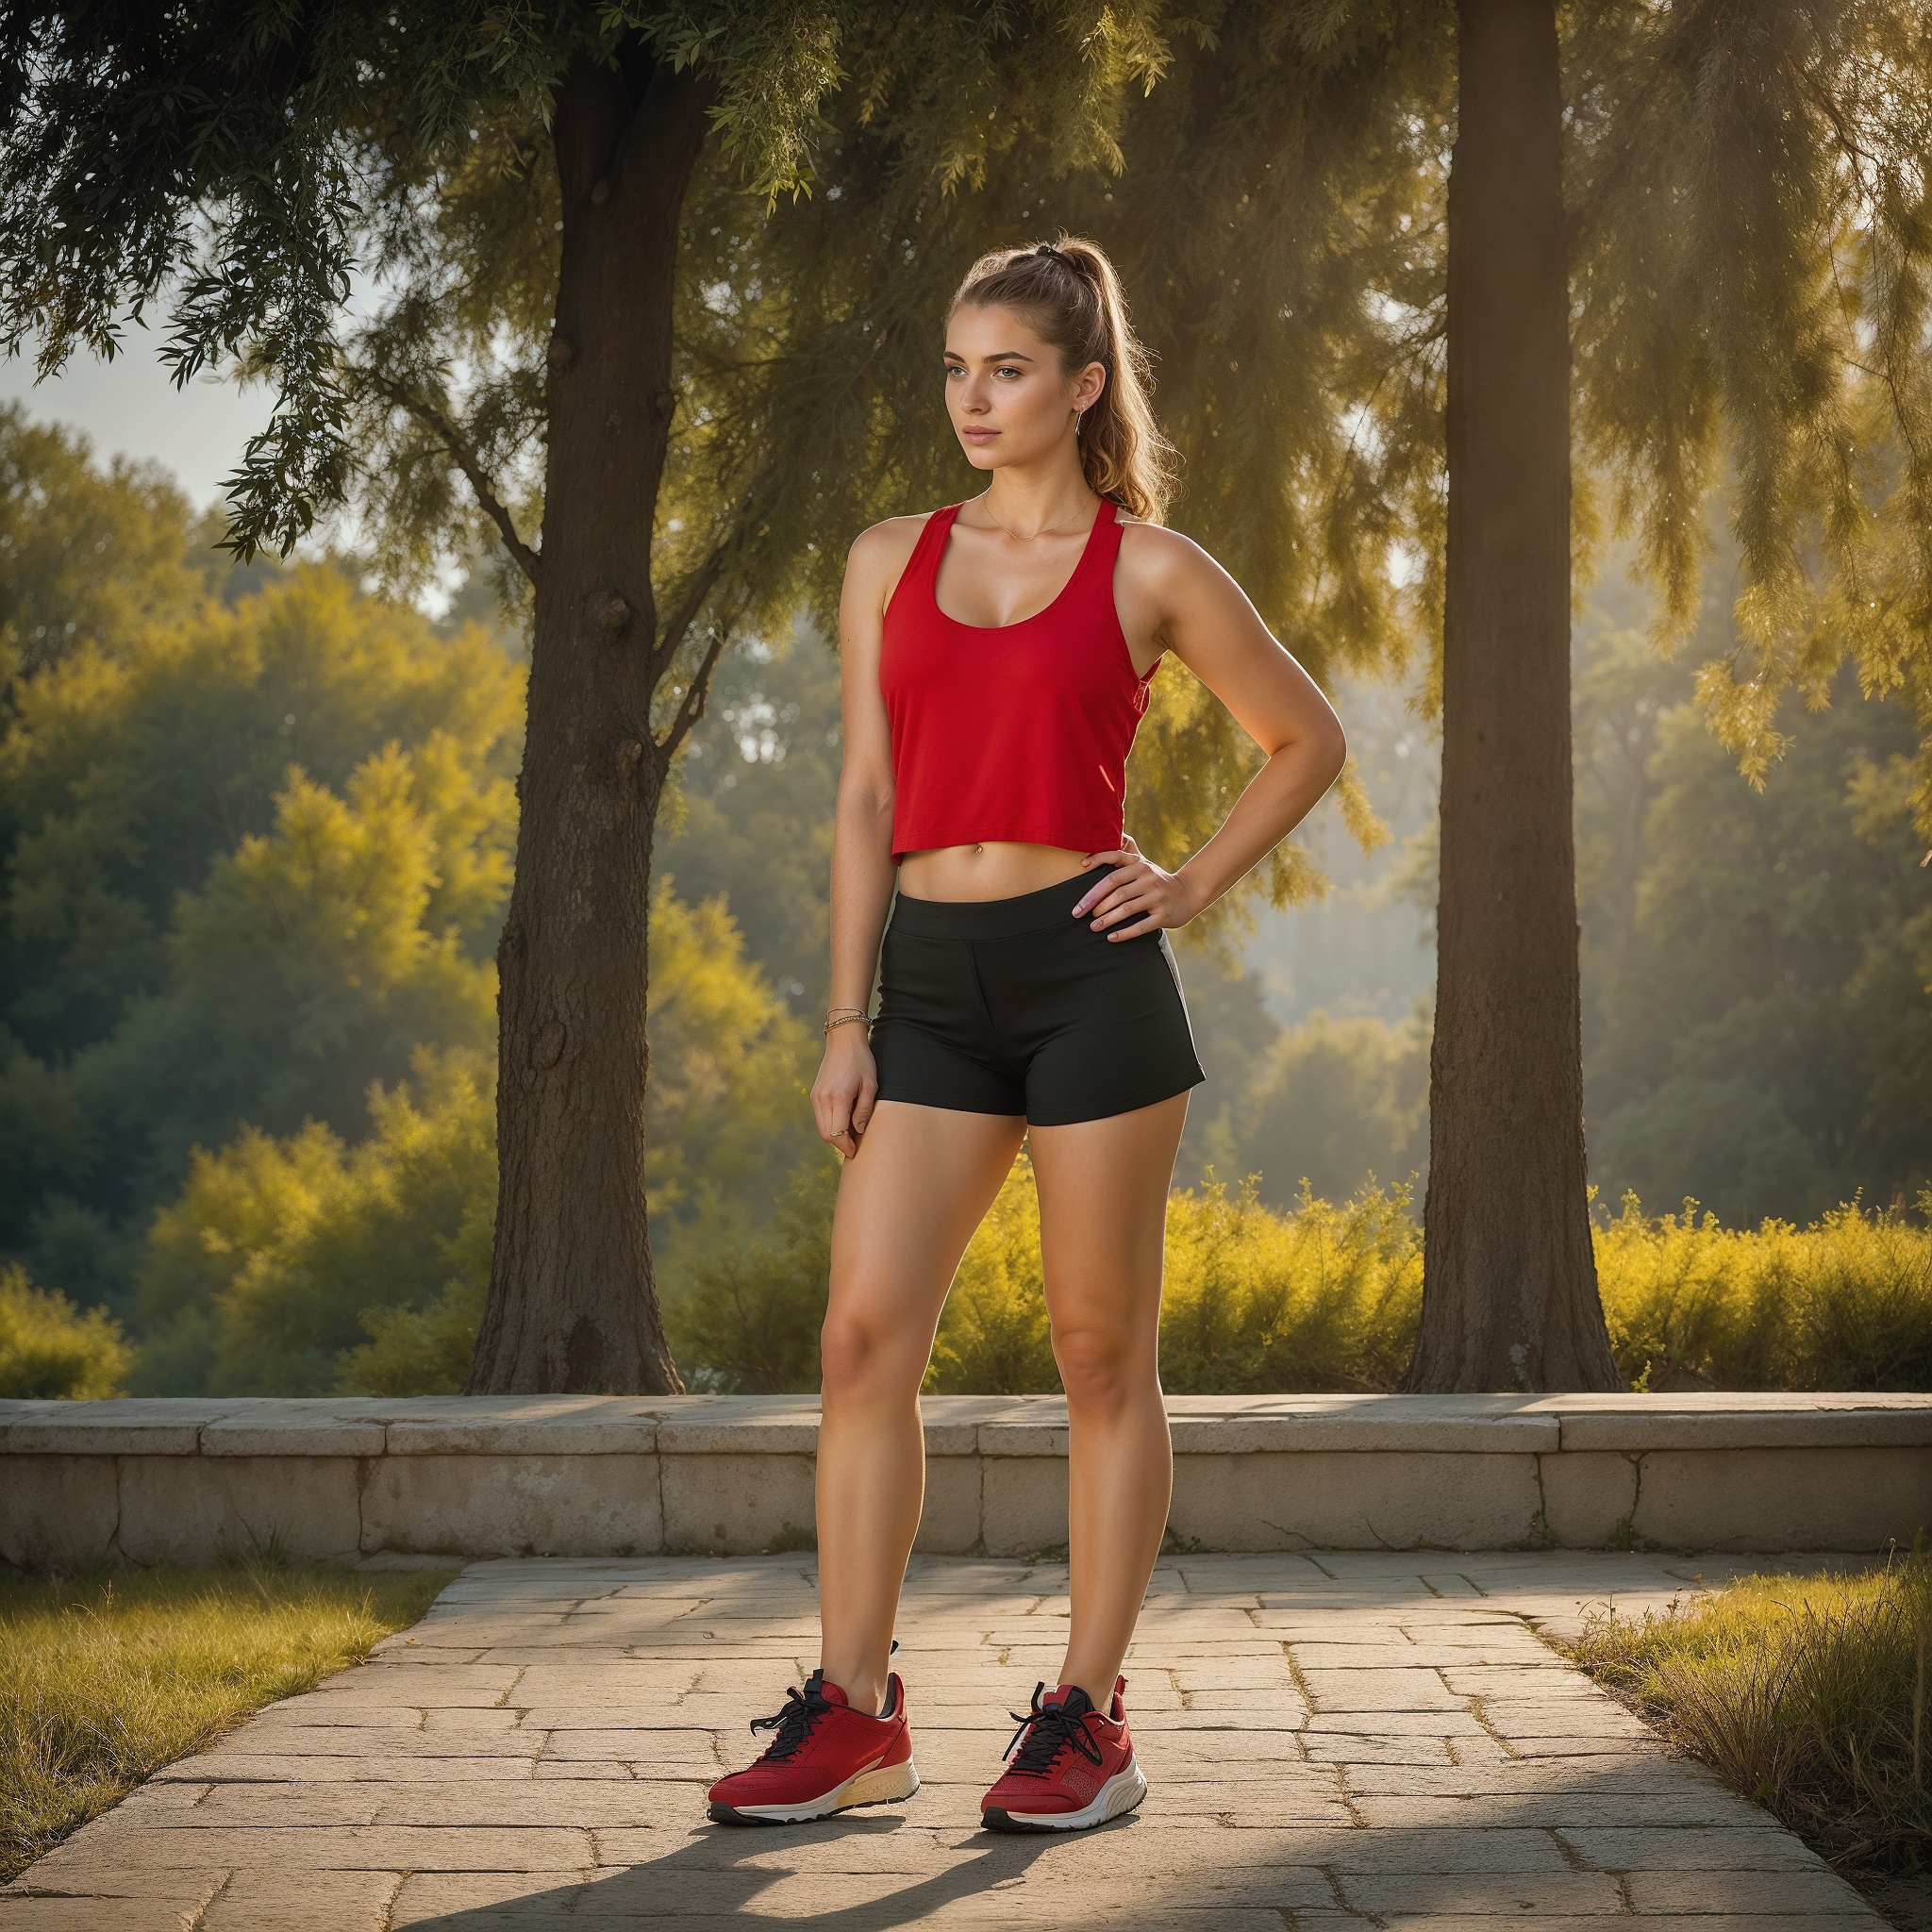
<point>1013,1005</point>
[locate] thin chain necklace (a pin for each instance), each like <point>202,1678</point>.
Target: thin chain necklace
<point>1047,531</point>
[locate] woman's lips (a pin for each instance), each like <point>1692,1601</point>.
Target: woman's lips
<point>979,435</point>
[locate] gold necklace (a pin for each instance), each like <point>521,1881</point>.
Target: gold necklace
<point>1048,531</point>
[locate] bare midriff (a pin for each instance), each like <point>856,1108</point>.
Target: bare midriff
<point>995,869</point>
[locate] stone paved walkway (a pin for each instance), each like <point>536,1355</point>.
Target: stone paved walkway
<point>1335,1741</point>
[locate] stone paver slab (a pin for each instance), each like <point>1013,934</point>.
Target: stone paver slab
<point>1334,1741</point>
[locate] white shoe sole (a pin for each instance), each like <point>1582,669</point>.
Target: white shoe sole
<point>1121,1793</point>
<point>880,1786</point>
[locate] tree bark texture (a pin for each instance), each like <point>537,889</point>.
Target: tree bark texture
<point>572,1303</point>
<point>1509,1294</point>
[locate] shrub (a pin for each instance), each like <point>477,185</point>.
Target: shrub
<point>1327,1296</point>
<point>1322,1297</point>
<point>303,1264</point>
<point>1843,1304</point>
<point>993,1338</point>
<point>49,1348</point>
<point>264,1278</point>
<point>413,1351</point>
<point>748,1323</point>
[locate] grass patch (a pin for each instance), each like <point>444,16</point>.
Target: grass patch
<point>1807,1693</point>
<point>108,1676</point>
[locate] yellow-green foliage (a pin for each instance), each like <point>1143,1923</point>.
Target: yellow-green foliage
<point>303,1264</point>
<point>260,730</point>
<point>49,1348</point>
<point>1843,1304</point>
<point>103,1681</point>
<point>1321,1297</point>
<point>257,857</point>
<point>93,552</point>
<point>264,1268</point>
<point>747,1320</point>
<point>365,907</point>
<point>993,1338</point>
<point>1327,1296</point>
<point>1807,1693</point>
<point>726,1104</point>
<point>1324,1297</point>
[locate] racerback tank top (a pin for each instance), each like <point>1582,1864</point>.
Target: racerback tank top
<point>1016,731</point>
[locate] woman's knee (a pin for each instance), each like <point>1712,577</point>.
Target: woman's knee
<point>1103,1366</point>
<point>861,1357</point>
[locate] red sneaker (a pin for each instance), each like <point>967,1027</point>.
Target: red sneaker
<point>1075,1768</point>
<point>827,1758</point>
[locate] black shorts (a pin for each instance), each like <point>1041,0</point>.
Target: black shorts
<point>1014,1007</point>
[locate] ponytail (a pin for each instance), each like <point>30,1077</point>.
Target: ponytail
<point>1069,290</point>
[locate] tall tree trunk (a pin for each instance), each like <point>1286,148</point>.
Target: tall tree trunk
<point>1509,1295</point>
<point>572,1302</point>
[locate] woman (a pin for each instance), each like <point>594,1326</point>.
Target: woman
<point>996,657</point>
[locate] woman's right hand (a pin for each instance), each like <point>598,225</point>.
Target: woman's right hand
<point>848,1083</point>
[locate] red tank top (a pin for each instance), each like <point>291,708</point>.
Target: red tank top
<point>1015,731</point>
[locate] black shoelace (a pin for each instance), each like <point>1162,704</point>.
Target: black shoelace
<point>1048,1729</point>
<point>794,1722</point>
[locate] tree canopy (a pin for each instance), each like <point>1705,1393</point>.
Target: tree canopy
<point>672,394</point>
<point>1752,1037</point>
<point>258,855</point>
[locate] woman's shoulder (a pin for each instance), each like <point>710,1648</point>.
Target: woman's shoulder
<point>1157,557</point>
<point>1158,536</point>
<point>888,543</point>
<point>879,555</point>
<point>893,533</point>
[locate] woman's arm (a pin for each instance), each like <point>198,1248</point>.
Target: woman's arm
<point>847,1084</point>
<point>1176,596</point>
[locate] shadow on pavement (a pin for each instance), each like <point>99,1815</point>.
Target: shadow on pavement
<point>718,1877</point>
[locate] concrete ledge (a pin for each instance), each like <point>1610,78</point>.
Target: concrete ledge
<point>630,1476</point>
<point>506,1503</point>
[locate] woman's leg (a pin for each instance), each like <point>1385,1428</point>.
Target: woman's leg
<point>908,1201</point>
<point>1102,1223</point>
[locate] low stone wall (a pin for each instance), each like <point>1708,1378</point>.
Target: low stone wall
<point>618,1475</point>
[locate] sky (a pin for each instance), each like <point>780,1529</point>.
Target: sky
<point>131,406</point>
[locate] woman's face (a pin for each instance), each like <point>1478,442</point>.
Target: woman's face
<point>1008,399</point>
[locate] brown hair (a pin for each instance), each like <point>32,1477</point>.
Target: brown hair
<point>1069,290</point>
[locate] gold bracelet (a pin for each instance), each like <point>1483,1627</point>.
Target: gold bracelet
<point>840,1019</point>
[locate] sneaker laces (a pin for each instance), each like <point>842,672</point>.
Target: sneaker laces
<point>793,1720</point>
<point>1048,1729</point>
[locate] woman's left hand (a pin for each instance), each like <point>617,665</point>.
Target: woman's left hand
<point>1135,890</point>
